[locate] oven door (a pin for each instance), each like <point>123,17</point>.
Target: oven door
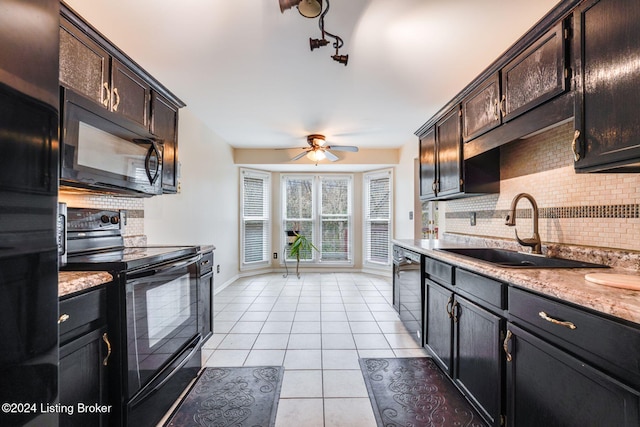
<point>101,151</point>
<point>161,321</point>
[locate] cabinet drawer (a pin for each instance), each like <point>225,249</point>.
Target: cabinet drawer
<point>206,263</point>
<point>487,290</point>
<point>81,310</point>
<point>438,271</point>
<point>609,345</point>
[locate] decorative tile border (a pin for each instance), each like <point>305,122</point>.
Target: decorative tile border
<point>599,211</point>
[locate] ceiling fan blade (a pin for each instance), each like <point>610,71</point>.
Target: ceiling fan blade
<point>299,156</point>
<point>330,156</point>
<point>342,148</point>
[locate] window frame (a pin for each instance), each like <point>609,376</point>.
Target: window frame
<point>266,218</point>
<point>316,217</point>
<point>367,177</point>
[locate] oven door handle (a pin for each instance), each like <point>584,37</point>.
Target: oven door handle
<point>144,394</point>
<point>174,266</point>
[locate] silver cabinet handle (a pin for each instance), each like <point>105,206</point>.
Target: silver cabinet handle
<point>63,318</point>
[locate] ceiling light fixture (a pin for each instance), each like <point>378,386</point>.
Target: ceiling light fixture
<point>311,9</point>
<point>316,155</point>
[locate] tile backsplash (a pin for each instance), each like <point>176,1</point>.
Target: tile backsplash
<point>134,226</point>
<point>598,210</point>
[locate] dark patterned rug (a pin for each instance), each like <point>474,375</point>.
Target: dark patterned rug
<point>415,392</point>
<point>238,397</point>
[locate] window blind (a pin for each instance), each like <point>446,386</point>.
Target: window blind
<point>255,211</point>
<point>377,217</point>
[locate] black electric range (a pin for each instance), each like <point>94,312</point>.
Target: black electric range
<point>153,313</point>
<point>94,241</point>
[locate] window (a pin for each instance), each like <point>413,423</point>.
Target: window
<point>255,224</point>
<point>377,217</point>
<point>319,207</point>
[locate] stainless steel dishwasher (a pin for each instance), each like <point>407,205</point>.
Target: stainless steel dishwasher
<point>408,290</point>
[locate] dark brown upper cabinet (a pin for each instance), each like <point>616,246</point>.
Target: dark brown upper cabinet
<point>90,70</point>
<point>449,154</point>
<point>534,76</point>
<point>440,158</point>
<point>607,101</point>
<point>130,94</point>
<point>428,171</point>
<point>164,124</point>
<point>91,66</point>
<point>84,65</point>
<point>443,173</point>
<point>481,109</point>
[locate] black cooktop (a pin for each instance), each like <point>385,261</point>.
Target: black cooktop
<point>128,258</point>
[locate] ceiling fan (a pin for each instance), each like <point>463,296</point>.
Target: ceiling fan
<point>317,151</point>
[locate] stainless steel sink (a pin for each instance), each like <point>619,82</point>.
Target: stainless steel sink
<point>513,259</point>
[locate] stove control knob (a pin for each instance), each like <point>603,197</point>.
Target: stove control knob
<point>115,219</point>
<point>104,219</point>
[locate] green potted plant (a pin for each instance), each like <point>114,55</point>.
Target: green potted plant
<point>300,244</point>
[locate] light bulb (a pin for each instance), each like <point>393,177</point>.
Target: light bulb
<point>316,155</point>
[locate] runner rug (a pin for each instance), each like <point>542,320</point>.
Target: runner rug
<point>239,397</point>
<point>415,392</point>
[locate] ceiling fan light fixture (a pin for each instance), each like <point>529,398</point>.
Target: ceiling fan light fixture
<point>316,155</point>
<point>310,8</point>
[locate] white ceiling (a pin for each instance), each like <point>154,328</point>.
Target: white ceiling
<point>246,70</point>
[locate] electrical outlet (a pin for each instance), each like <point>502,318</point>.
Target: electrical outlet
<point>218,268</point>
<point>410,215</point>
<point>275,255</point>
<point>472,219</point>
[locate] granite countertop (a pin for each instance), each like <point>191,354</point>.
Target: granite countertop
<point>70,282</point>
<point>562,283</point>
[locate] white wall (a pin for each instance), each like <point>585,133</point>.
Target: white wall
<point>205,211</point>
<point>404,191</point>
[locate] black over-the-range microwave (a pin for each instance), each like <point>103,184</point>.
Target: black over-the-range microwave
<point>100,150</point>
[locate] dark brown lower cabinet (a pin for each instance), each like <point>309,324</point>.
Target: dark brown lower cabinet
<point>85,357</point>
<point>438,324</point>
<point>548,387</point>
<point>477,357</point>
<point>464,340</point>
<point>83,377</point>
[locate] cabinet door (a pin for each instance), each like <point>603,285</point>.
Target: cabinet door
<point>83,378</point>
<point>84,65</point>
<point>164,124</point>
<point>130,95</point>
<point>534,76</point>
<point>548,387</point>
<point>607,83</point>
<point>449,154</point>
<point>480,109</point>
<point>428,170</point>
<point>438,328</point>
<point>478,357</point>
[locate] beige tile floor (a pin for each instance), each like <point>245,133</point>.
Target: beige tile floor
<point>316,327</point>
